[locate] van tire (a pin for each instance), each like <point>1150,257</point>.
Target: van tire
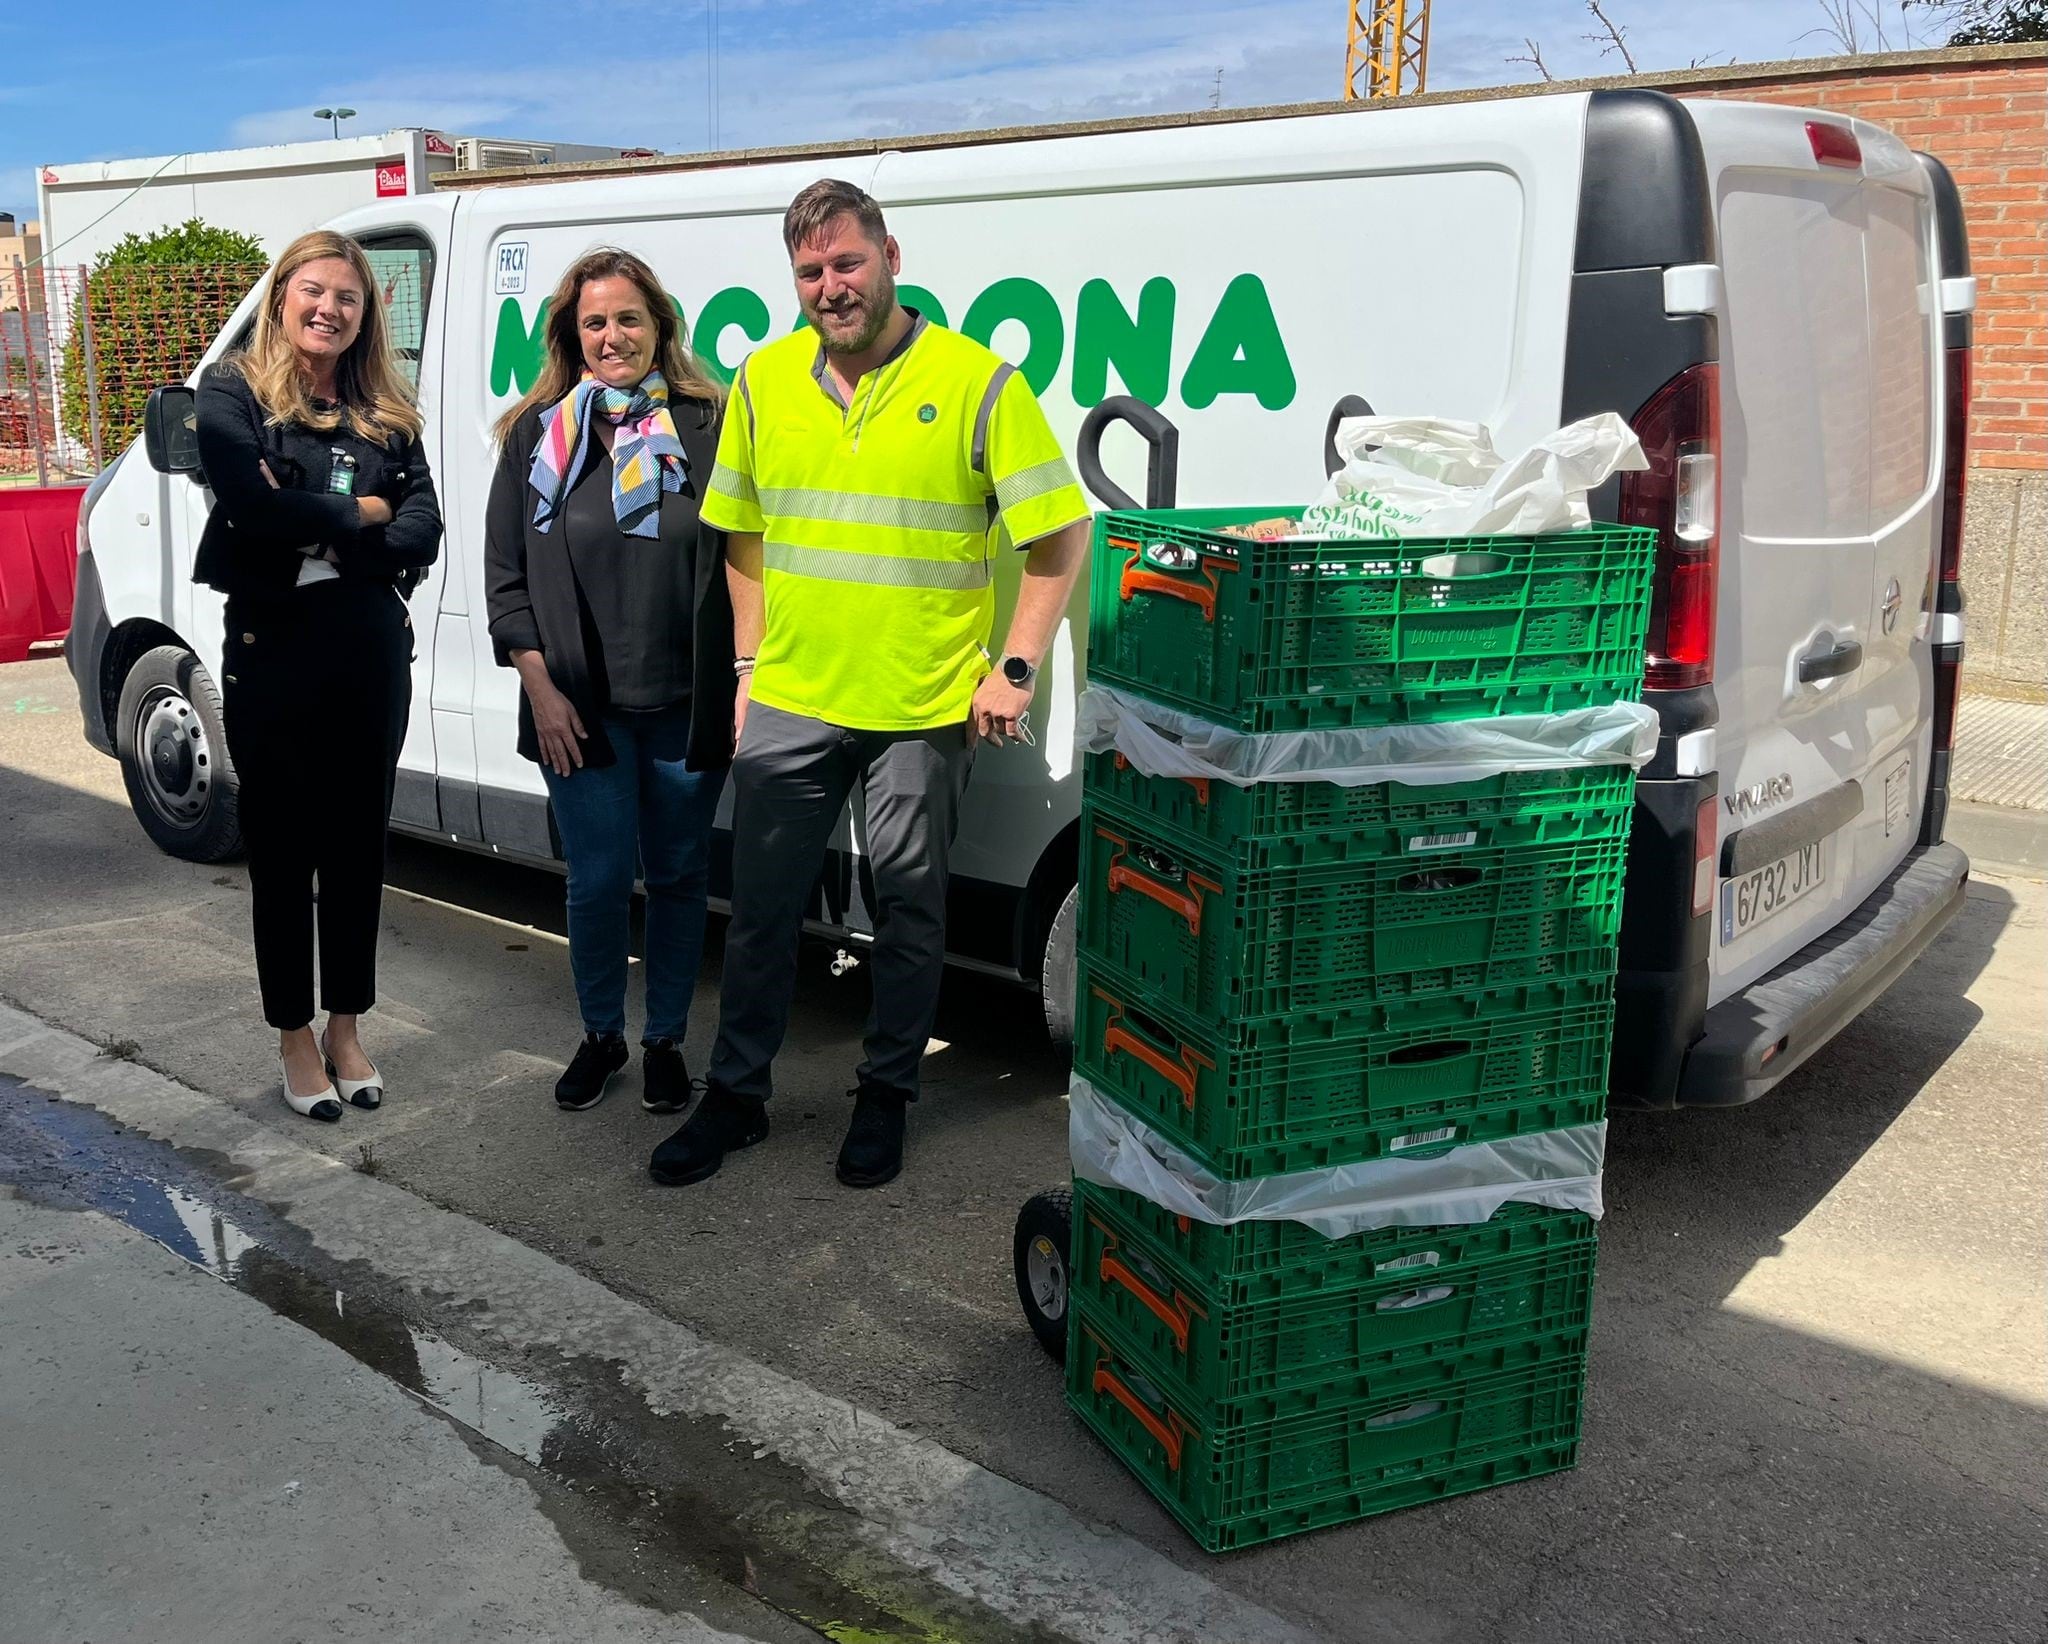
<point>1056,969</point>
<point>172,742</point>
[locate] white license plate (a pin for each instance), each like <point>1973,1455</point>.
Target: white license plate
<point>1766,892</point>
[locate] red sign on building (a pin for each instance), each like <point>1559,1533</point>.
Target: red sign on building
<point>391,180</point>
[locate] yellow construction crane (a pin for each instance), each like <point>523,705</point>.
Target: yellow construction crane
<point>1388,51</point>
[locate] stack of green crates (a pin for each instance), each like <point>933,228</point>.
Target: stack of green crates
<point>1292,976</point>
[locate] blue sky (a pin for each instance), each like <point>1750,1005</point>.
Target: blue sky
<point>136,77</point>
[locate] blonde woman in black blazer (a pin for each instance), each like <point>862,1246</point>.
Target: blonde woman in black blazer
<point>323,511</point>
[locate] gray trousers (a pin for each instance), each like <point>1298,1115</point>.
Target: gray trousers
<point>791,780</point>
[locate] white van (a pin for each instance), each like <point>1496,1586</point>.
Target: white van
<point>1780,292</point>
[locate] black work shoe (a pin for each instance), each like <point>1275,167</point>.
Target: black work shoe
<point>597,1060</point>
<point>722,1124</point>
<point>873,1150</point>
<point>665,1077</point>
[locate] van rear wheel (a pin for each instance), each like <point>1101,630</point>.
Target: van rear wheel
<point>1056,970</point>
<point>173,746</point>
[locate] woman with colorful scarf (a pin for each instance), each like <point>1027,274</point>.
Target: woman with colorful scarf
<point>608,597</point>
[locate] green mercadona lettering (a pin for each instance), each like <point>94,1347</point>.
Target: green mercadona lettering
<point>1240,350</point>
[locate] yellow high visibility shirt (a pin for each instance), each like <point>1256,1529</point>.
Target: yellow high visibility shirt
<point>881,521</point>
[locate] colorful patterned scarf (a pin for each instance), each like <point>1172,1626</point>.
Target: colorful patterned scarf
<point>647,458</point>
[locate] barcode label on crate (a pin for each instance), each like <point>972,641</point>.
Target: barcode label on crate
<point>1421,1258</point>
<point>1423,1138</point>
<point>1444,841</point>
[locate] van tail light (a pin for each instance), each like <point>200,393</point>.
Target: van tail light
<point>1679,496</point>
<point>1947,683</point>
<point>1706,839</point>
<point>1948,604</point>
<point>1834,145</point>
<point>1955,464</point>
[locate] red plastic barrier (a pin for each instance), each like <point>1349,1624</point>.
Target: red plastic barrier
<point>38,565</point>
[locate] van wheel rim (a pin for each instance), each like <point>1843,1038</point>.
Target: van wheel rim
<point>176,758</point>
<point>1045,1270</point>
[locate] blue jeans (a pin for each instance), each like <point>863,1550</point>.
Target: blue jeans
<point>647,812</point>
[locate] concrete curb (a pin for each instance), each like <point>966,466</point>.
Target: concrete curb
<point>910,1500</point>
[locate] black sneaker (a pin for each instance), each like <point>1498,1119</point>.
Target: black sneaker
<point>873,1150</point>
<point>722,1124</point>
<point>597,1060</point>
<point>665,1077</point>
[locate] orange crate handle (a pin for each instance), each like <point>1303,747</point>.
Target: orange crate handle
<point>1173,1314</point>
<point>1181,1075</point>
<point>1135,579</point>
<point>1122,876</point>
<point>1107,1381</point>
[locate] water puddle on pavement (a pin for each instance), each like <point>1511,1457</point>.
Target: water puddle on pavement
<point>687,1488</point>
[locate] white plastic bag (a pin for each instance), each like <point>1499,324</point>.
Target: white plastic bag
<point>1162,741</point>
<point>1431,477</point>
<point>1558,1168</point>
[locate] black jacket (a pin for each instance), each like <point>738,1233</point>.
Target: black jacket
<point>534,604</point>
<point>254,537</point>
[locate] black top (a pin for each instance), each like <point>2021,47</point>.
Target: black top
<point>257,536</point>
<point>638,590</point>
<point>535,593</point>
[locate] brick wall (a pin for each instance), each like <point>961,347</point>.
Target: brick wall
<point>1984,114</point>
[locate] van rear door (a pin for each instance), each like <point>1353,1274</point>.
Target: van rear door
<point>1829,383</point>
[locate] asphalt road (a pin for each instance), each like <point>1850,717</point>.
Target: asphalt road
<point>1817,1401</point>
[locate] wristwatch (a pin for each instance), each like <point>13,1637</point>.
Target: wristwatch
<point>1018,672</point>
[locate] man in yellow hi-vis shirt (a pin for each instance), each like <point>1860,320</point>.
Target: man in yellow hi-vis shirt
<point>868,479</point>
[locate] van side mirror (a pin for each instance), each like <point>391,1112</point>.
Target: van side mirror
<point>170,430</point>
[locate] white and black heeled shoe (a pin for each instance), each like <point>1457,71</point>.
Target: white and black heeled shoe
<point>363,1093</point>
<point>323,1105</point>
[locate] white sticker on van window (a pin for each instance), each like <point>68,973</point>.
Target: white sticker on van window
<point>509,279</point>
<point>1444,841</point>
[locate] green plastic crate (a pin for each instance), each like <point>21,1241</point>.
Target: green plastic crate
<point>1237,1486</point>
<point>1227,942</point>
<point>1423,1077</point>
<point>1247,1262</point>
<point>1278,1357</point>
<point>1299,822</point>
<point>1269,636</point>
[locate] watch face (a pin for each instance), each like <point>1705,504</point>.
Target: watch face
<point>1016,670</point>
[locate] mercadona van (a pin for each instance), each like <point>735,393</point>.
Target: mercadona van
<point>1778,300</point>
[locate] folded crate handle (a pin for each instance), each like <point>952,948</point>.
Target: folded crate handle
<point>1407,1415</point>
<point>1118,1038</point>
<point>1453,567</point>
<point>1136,579</point>
<point>1436,1050</point>
<point>1199,783</point>
<point>1431,881</point>
<point>1121,1036</point>
<point>1125,876</point>
<point>1173,1314</point>
<point>1429,1296</point>
<point>1108,1381</point>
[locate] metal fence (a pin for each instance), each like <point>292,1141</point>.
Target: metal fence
<point>80,352</point>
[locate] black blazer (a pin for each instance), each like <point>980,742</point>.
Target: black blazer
<point>534,604</point>
<point>254,539</point>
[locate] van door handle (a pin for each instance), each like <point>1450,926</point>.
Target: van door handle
<point>1845,658</point>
